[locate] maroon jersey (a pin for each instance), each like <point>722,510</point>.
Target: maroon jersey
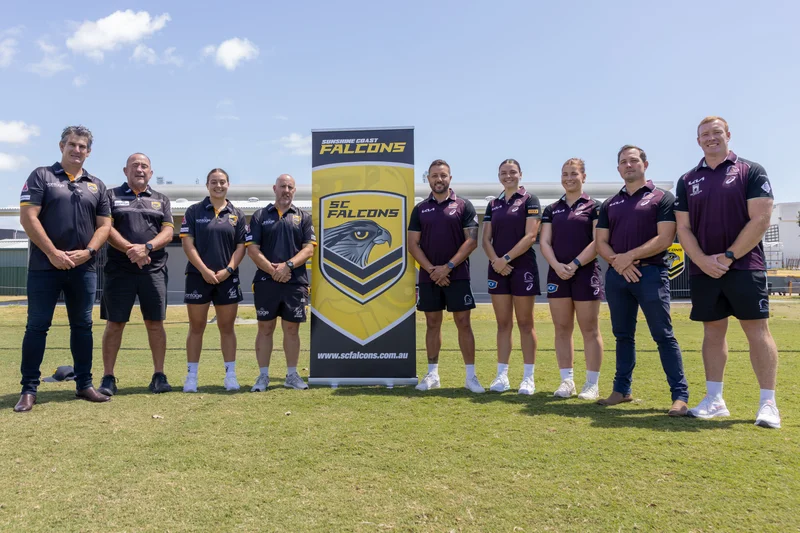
<point>716,200</point>
<point>572,227</point>
<point>508,217</point>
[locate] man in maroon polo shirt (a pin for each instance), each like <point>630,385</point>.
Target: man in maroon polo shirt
<point>634,229</point>
<point>442,232</point>
<point>723,209</point>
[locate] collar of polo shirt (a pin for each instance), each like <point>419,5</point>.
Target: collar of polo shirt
<point>450,197</point>
<point>208,205</point>
<point>58,169</point>
<point>585,197</point>
<point>649,185</point>
<point>146,192</point>
<point>273,207</point>
<point>733,158</point>
<point>520,192</point>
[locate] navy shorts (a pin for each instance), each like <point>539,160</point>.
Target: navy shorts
<point>121,288</point>
<point>523,281</point>
<point>455,297</point>
<point>285,300</point>
<point>741,293</point>
<point>199,292</point>
<point>585,286</point>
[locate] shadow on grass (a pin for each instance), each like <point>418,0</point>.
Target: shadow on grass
<point>622,416</point>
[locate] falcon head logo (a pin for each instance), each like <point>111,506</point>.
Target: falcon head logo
<point>354,240</point>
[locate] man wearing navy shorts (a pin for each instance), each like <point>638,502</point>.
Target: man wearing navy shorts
<point>723,209</point>
<point>634,229</point>
<point>442,233</point>
<point>280,241</point>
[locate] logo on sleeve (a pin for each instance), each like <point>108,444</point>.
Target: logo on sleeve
<point>25,187</point>
<point>766,188</point>
<point>533,211</point>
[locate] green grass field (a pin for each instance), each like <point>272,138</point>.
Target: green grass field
<point>372,459</point>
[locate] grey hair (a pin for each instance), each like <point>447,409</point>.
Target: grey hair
<point>79,131</point>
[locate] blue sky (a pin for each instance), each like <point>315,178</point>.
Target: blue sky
<point>240,85</point>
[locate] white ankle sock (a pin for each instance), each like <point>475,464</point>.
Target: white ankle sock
<point>230,368</point>
<point>264,370</point>
<point>592,377</point>
<point>714,389</point>
<point>433,368</point>
<point>191,368</point>
<point>566,373</point>
<point>527,371</point>
<point>470,371</point>
<point>767,394</point>
<point>502,368</point>
<point>291,370</point>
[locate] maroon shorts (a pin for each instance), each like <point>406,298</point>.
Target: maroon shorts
<point>586,285</point>
<point>523,281</point>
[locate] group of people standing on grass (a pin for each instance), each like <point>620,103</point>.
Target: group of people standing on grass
<point>721,213</point>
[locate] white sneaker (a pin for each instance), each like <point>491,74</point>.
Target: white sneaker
<point>474,385</point>
<point>190,383</point>
<point>566,389</point>
<point>261,383</point>
<point>500,383</point>
<point>430,381</point>
<point>709,408</point>
<point>294,381</point>
<point>590,391</point>
<point>231,383</point>
<point>768,416</point>
<point>527,386</point>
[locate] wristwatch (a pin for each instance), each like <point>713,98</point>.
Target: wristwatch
<point>730,255</point>
<point>148,246</point>
<point>507,258</point>
<point>229,269</point>
<point>577,263</point>
<point>451,265</point>
<point>290,265</point>
<point>92,251</point>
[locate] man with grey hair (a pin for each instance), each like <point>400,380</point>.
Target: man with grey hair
<point>136,267</point>
<point>65,212</point>
<point>284,233</point>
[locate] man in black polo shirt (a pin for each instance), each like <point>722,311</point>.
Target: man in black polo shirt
<point>136,266</point>
<point>65,213</point>
<point>442,232</point>
<point>634,229</point>
<point>723,208</point>
<point>280,241</point>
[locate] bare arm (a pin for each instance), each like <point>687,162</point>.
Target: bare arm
<point>117,241</point>
<point>759,210</point>
<point>469,245</point>
<point>98,239</point>
<point>604,249</point>
<point>29,219</point>
<point>416,252</point>
<point>486,242</point>
<point>545,245</point>
<point>590,252</point>
<point>255,254</point>
<point>522,246</point>
<point>187,243</point>
<point>691,247</point>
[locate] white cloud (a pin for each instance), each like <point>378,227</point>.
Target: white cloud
<point>9,162</point>
<point>79,81</point>
<point>52,63</point>
<point>296,144</point>
<point>15,31</point>
<point>232,52</point>
<point>94,38</point>
<point>145,54</point>
<point>281,117</point>
<point>8,49</point>
<point>226,110</point>
<point>17,132</point>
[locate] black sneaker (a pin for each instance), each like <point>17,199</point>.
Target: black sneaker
<point>159,384</point>
<point>108,386</point>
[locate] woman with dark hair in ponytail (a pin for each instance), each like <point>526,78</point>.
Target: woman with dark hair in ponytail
<point>510,226</point>
<point>213,237</point>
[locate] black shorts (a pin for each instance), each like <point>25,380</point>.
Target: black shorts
<point>455,297</point>
<point>121,288</point>
<point>741,293</point>
<point>285,300</point>
<point>199,292</point>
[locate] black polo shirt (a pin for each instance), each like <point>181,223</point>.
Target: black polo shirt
<point>572,226</point>
<point>69,211</point>
<point>508,217</point>
<point>281,236</point>
<point>441,227</point>
<point>632,220</point>
<point>716,200</point>
<point>215,234</point>
<point>138,218</point>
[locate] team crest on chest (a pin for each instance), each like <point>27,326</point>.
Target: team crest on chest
<point>92,187</point>
<point>233,219</point>
<point>155,205</point>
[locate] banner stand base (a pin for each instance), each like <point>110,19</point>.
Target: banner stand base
<point>387,382</point>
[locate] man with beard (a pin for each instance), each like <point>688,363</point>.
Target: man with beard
<point>442,233</point>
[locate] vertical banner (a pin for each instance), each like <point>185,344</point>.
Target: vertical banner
<point>363,329</point>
